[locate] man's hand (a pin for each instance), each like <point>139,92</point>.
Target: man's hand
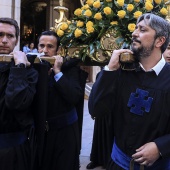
<point>146,154</point>
<point>114,63</point>
<point>58,63</point>
<point>20,57</point>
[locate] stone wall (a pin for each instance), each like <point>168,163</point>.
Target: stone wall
<point>11,8</point>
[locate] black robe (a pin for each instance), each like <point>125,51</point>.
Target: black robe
<point>61,149</point>
<point>80,105</point>
<point>17,90</point>
<point>102,141</point>
<point>111,95</point>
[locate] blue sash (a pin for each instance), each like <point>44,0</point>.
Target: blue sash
<point>120,158</point>
<point>12,139</point>
<point>62,120</point>
<point>123,161</point>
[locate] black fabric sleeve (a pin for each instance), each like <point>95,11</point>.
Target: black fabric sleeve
<point>102,96</point>
<point>69,85</point>
<point>21,88</point>
<point>163,144</point>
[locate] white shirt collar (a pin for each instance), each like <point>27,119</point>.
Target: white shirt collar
<point>157,68</point>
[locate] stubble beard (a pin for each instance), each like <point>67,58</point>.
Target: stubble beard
<point>142,51</point>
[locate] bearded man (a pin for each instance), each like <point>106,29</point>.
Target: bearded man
<point>138,99</point>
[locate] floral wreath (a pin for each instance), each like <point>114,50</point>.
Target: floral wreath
<point>95,17</point>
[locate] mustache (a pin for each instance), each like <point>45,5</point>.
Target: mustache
<point>135,40</point>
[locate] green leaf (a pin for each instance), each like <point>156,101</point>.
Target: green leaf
<point>97,45</point>
<point>92,49</point>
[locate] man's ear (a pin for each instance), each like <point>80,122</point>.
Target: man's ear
<point>160,41</point>
<point>16,42</point>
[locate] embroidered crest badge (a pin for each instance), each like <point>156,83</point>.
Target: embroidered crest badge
<point>140,102</point>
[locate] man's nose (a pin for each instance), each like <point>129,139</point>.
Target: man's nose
<point>4,39</point>
<point>135,33</point>
<point>45,50</point>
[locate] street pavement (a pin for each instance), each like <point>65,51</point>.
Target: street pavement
<point>87,134</point>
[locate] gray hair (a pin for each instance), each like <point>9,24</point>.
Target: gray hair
<point>160,25</point>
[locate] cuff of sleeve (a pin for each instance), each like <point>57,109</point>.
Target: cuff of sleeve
<point>106,68</point>
<point>58,76</point>
<point>162,144</point>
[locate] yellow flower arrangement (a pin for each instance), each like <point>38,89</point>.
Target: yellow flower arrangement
<point>137,14</point>
<point>77,33</point>
<point>90,2</point>
<point>91,21</point>
<point>60,32</point>
<point>107,10</point>
<point>158,1</point>
<point>121,14</point>
<point>88,13</point>
<point>164,11</point>
<point>131,27</point>
<point>96,4</point>
<point>80,24</point>
<point>64,26</point>
<point>78,12</point>
<point>98,16</point>
<point>130,7</point>
<point>120,2</point>
<point>148,6</point>
<point>114,23</point>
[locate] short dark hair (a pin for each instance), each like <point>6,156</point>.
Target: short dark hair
<point>51,33</point>
<point>13,22</point>
<point>160,25</point>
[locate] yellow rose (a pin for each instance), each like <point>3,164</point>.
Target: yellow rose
<point>68,22</point>
<point>130,7</point>
<point>64,26</point>
<point>60,32</point>
<point>121,14</point>
<point>158,1</point>
<point>137,14</point>
<point>80,24</point>
<point>137,1</point>
<point>108,0</point>
<point>148,6</point>
<point>164,11</point>
<point>96,4</point>
<point>78,33</point>
<point>98,16</point>
<point>78,12</point>
<point>89,23</point>
<point>120,2</point>
<point>107,10</point>
<point>88,13</point>
<point>114,23</point>
<point>131,27</point>
<point>85,7</point>
<point>90,29</point>
<point>151,1</point>
<point>90,2</point>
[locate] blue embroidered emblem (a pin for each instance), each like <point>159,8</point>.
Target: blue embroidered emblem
<point>140,102</point>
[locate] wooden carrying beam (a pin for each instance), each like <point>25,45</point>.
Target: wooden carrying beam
<point>7,58</point>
